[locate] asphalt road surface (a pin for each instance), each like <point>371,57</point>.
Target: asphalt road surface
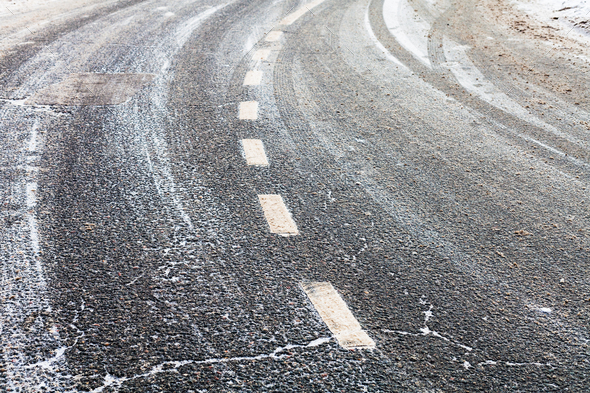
<point>274,195</point>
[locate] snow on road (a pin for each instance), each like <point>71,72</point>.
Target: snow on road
<point>568,12</point>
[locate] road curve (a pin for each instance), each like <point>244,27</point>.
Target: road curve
<point>355,195</point>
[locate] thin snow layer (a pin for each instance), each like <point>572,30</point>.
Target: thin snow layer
<point>571,10</point>
<point>408,28</point>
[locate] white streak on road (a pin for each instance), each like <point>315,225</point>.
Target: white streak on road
<point>261,55</point>
<point>154,141</point>
<point>184,32</point>
<point>378,44</point>
<point>475,82</point>
<point>23,285</point>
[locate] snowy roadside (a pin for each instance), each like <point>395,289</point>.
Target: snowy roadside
<point>563,14</point>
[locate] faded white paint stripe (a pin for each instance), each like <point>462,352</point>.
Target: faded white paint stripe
<point>253,78</point>
<point>254,152</point>
<point>292,17</point>
<point>273,36</point>
<point>248,110</point>
<point>335,313</point>
<point>278,217</point>
<point>261,54</point>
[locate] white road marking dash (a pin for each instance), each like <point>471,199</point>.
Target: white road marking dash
<point>253,78</point>
<point>335,313</point>
<point>261,54</point>
<point>278,217</point>
<point>254,152</point>
<point>248,110</point>
<point>273,36</point>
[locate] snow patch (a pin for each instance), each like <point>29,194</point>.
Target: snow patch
<point>408,28</point>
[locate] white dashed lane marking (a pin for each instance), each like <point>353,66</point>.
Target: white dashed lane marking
<point>273,36</point>
<point>278,217</point>
<point>289,19</point>
<point>248,110</point>
<point>261,54</point>
<point>253,78</point>
<point>254,152</point>
<point>337,316</point>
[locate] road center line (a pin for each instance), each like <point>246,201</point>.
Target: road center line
<point>273,36</point>
<point>278,217</point>
<point>253,78</point>
<point>337,316</point>
<point>261,54</point>
<point>254,152</point>
<point>292,17</point>
<point>248,110</point>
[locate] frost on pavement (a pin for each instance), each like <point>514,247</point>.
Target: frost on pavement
<point>32,352</point>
